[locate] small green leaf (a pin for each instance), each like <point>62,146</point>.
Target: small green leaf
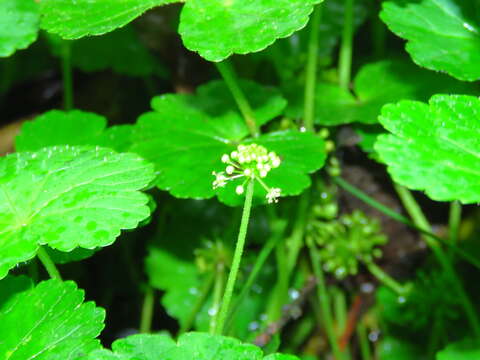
<point>443,35</point>
<point>19,20</point>
<point>47,322</point>
<point>466,349</point>
<point>434,147</point>
<point>72,128</point>
<point>73,20</point>
<point>68,197</point>
<point>217,29</point>
<point>120,50</point>
<point>375,85</point>
<point>198,346</point>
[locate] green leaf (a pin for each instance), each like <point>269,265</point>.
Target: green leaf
<point>48,322</point>
<point>120,50</point>
<point>375,85</point>
<point>73,20</point>
<point>434,147</point>
<point>443,35</point>
<point>396,349</point>
<point>217,29</point>
<point>19,21</point>
<point>68,197</point>
<point>198,346</point>
<point>72,128</point>
<point>466,349</point>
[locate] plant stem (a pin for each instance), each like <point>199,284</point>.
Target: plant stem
<point>420,220</point>
<point>237,258</point>
<point>379,31</point>
<point>340,306</point>
<point>278,228</point>
<point>363,341</point>
<point>385,279</point>
<point>147,311</point>
<point>295,242</point>
<point>218,288</point>
<point>454,219</point>
<point>323,298</point>
<point>67,75</point>
<point>345,58</point>
<point>400,218</point>
<point>311,73</point>
<point>48,264</point>
<point>228,73</point>
<point>202,297</point>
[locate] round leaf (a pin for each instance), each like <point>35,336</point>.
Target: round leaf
<point>217,29</point>
<point>434,147</point>
<point>19,21</point>
<point>68,197</point>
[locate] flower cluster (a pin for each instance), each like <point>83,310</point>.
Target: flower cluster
<point>252,162</point>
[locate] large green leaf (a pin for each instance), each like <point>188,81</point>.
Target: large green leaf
<point>47,322</point>
<point>198,346</point>
<point>443,35</point>
<point>434,147</point>
<point>375,85</point>
<point>217,29</point>
<point>76,19</point>
<point>75,127</point>
<point>68,197</point>
<point>19,21</point>
<point>462,350</point>
<point>120,50</point>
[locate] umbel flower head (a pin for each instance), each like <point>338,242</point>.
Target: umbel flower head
<point>251,162</point>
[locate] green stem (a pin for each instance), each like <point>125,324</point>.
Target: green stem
<point>295,242</point>
<point>340,306</point>
<point>323,298</point>
<point>218,289</point>
<point>67,75</point>
<point>420,220</point>
<point>363,341</point>
<point>279,295</point>
<point>454,219</point>
<point>147,311</point>
<point>48,264</point>
<point>311,76</point>
<point>228,73</point>
<point>237,258</point>
<point>434,340</point>
<point>200,301</point>
<point>278,229</point>
<point>386,279</point>
<point>345,58</point>
<point>379,31</point>
<point>402,219</point>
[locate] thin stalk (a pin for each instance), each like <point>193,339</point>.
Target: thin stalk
<point>363,341</point>
<point>202,297</point>
<point>147,311</point>
<point>279,295</point>
<point>454,219</point>
<point>386,279</point>
<point>48,264</point>
<point>379,31</point>
<point>420,220</point>
<point>402,219</point>
<point>434,340</point>
<point>228,73</point>
<point>311,78</point>
<point>67,75</point>
<point>340,306</point>
<point>237,258</point>
<point>295,242</point>
<point>346,49</point>
<point>324,300</point>
<point>278,229</point>
<point>218,289</point>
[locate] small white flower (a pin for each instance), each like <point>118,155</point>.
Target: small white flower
<point>273,195</point>
<point>263,173</point>
<point>276,162</point>
<point>220,180</point>
<point>225,158</point>
<point>247,172</point>
<point>229,169</point>
<point>239,189</point>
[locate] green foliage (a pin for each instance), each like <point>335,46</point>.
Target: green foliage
<point>68,197</point>
<point>462,350</point>
<point>199,346</point>
<point>246,26</point>
<point>442,35</point>
<point>396,349</point>
<point>18,25</point>
<point>73,20</point>
<point>433,147</point>
<point>48,321</point>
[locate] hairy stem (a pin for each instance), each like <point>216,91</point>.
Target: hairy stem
<point>48,264</point>
<point>228,73</point>
<point>147,311</point>
<point>345,59</point>
<point>237,258</point>
<point>311,78</point>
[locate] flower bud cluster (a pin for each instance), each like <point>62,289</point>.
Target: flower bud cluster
<point>251,162</point>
